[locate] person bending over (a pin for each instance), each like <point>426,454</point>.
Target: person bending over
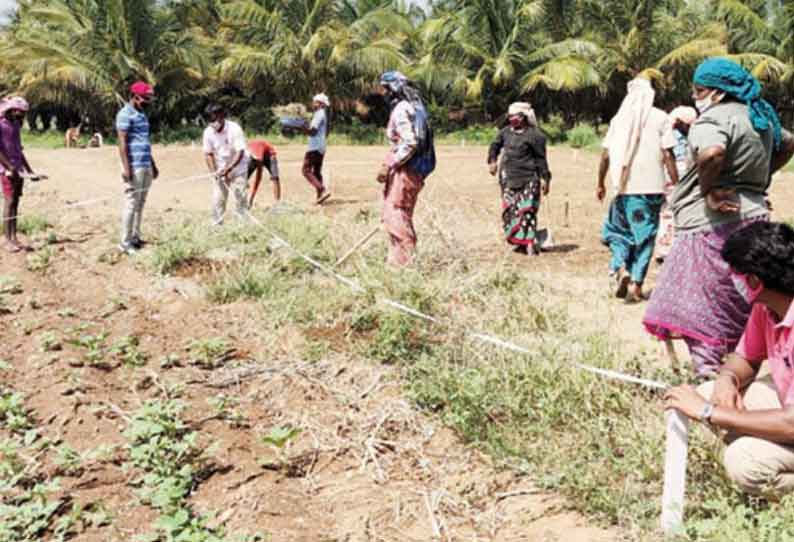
<point>755,415</point>
<point>262,155</point>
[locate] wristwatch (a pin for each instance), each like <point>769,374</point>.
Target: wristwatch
<point>706,413</point>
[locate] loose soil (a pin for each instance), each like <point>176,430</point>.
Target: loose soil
<point>369,466</point>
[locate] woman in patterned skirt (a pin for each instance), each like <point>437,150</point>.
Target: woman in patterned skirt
<point>523,177</point>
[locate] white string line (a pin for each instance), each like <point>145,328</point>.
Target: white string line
<point>482,337</point>
<point>389,302</point>
<point>93,201</point>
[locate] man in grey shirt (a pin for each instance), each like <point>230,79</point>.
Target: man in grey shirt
<point>315,154</point>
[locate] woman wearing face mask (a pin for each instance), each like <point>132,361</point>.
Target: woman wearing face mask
<point>738,143</point>
<point>524,175</point>
<point>13,165</point>
<point>756,414</point>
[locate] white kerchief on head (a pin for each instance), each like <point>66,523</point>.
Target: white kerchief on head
<point>627,125</point>
<point>525,109</point>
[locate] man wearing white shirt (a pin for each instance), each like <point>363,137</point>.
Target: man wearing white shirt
<point>225,154</point>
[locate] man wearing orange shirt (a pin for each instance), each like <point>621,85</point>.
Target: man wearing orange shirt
<point>263,155</point>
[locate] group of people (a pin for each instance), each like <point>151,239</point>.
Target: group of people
<point>699,179</point>
<point>689,186</point>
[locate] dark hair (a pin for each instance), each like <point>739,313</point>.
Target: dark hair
<point>766,250</point>
<point>213,109</point>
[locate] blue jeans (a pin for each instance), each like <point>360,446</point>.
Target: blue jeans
<point>630,232</point>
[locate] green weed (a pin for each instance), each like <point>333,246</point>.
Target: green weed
<point>582,135</point>
<point>40,261</point>
<point>210,353</point>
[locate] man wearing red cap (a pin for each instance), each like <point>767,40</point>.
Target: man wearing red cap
<point>137,165</point>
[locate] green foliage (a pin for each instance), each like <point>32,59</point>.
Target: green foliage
<point>31,224</point>
<point>258,119</point>
<point>554,128</point>
<point>210,353</point>
<point>40,261</point>
<point>582,136</point>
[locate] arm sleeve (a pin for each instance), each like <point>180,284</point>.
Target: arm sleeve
<point>539,146</point>
<point>752,345</point>
<point>238,139</point>
<point>207,143</point>
<point>406,146</point>
<point>667,135</point>
<point>496,147</point>
<point>706,133</point>
<point>123,121</point>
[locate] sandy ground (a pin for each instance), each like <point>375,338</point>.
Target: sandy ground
<point>354,482</point>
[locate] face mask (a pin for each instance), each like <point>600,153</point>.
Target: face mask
<point>516,121</point>
<point>706,103</point>
<point>742,286</point>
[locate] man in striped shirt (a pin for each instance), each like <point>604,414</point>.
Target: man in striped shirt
<point>137,165</point>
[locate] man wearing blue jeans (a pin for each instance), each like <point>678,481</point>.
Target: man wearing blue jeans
<point>137,165</point>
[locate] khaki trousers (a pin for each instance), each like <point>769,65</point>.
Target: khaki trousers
<point>135,192</point>
<point>238,186</point>
<point>757,466</point>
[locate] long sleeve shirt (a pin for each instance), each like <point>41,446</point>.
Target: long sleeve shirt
<point>402,134</point>
<point>524,155</point>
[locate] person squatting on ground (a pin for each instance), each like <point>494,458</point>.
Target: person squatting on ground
<point>315,154</point>
<point>738,143</point>
<point>411,158</point>
<point>524,175</point>
<point>262,155</point>
<point>637,149</point>
<point>13,165</point>
<point>682,118</point>
<point>138,167</point>
<point>755,416</point>
<point>225,155</point>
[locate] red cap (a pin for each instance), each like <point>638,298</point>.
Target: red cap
<point>141,88</point>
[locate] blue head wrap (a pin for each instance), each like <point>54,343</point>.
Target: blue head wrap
<point>731,78</point>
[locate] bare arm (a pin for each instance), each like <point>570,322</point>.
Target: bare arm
<point>255,187</point>
<point>710,162</point>
<point>603,169</point>
<point>124,153</point>
<point>669,164</point>
<point>209,158</point>
<point>776,425</point>
<point>781,156</point>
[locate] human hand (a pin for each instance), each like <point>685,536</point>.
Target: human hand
<point>686,400</point>
<point>726,394</point>
<point>492,168</point>
<point>126,174</point>
<point>545,187</point>
<point>723,200</point>
<point>383,173</point>
<point>601,192</point>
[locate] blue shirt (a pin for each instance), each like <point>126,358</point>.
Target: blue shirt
<point>136,125</point>
<point>320,123</point>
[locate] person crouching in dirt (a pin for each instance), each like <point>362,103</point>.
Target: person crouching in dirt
<point>411,158</point>
<point>13,165</point>
<point>753,414</point>
<point>315,154</point>
<point>138,168</point>
<point>262,155</point>
<point>225,154</point>
<point>525,174</point>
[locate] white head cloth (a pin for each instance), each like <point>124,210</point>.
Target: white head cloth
<point>323,99</point>
<point>523,108</point>
<point>627,125</point>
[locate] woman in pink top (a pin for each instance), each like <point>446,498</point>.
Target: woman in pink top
<point>13,165</point>
<point>757,413</point>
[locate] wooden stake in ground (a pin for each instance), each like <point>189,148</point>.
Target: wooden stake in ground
<point>675,472</point>
<point>357,246</point>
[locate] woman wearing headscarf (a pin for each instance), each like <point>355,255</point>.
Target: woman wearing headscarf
<point>738,143</point>
<point>682,118</point>
<point>13,166</point>
<point>411,158</point>
<point>524,175</point>
<point>637,150</point>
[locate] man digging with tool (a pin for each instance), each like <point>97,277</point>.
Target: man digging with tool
<point>225,154</point>
<point>755,415</point>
